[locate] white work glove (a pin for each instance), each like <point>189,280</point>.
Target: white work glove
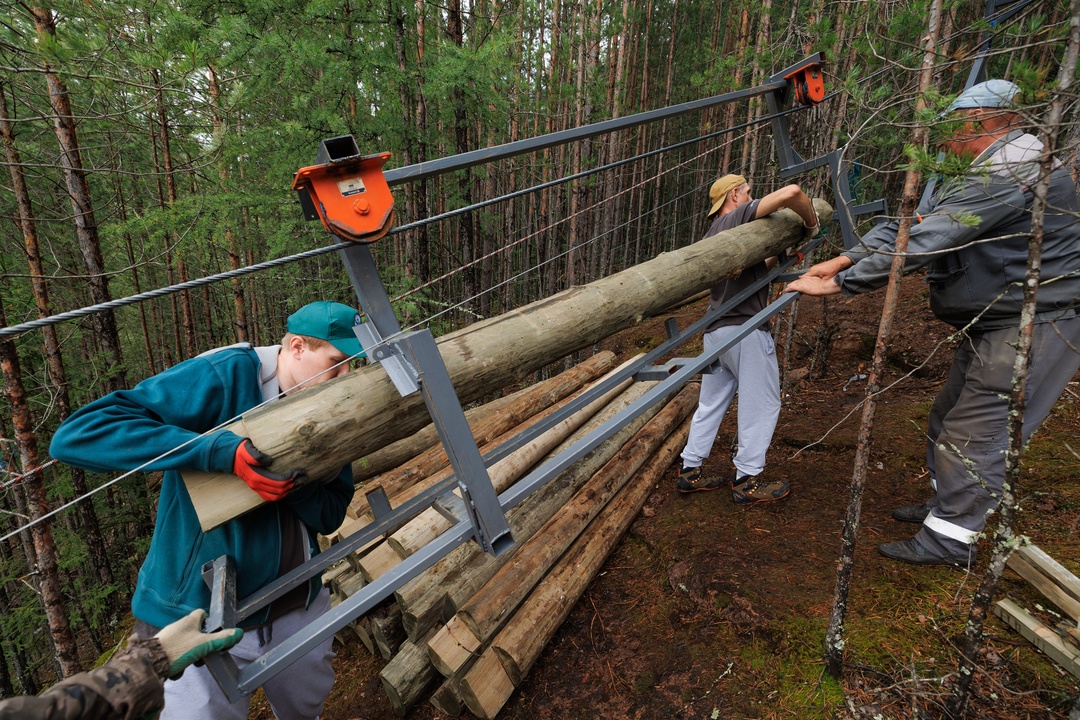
<point>185,643</point>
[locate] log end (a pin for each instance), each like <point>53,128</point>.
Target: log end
<point>452,647</point>
<point>486,687</point>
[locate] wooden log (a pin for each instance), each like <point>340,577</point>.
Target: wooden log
<point>372,562</point>
<point>386,629</point>
<point>408,448</point>
<point>488,425</point>
<point>486,687</point>
<point>503,474</point>
<point>482,616</point>
<point>435,594</point>
<point>325,426</point>
<point>454,645</point>
<point>408,677</point>
<point>448,700</point>
<point>520,642</point>
<point>429,523</point>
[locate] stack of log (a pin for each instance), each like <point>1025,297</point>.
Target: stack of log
<point>464,633</point>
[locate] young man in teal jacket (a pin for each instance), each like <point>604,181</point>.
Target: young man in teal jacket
<point>166,423</point>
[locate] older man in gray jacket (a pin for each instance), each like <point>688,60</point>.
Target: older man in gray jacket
<point>973,233</point>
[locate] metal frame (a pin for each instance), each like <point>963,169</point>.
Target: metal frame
<point>791,163</point>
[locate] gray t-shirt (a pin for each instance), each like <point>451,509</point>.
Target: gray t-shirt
<point>725,289</point>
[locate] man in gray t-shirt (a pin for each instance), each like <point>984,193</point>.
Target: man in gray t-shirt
<point>750,367</point>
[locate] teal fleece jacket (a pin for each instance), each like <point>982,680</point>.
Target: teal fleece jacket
<point>127,428</point>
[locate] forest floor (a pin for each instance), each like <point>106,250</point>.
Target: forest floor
<point>711,610</point>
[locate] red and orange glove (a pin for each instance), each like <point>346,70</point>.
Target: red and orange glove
<point>249,464</point>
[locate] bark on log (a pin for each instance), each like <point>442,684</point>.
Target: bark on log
<point>411,448</point>
<point>323,427</point>
<point>521,641</point>
<point>435,594</point>
<point>482,616</point>
<point>486,422</point>
<point>408,677</point>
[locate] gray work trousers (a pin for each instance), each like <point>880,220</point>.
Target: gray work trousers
<point>296,693</point>
<point>750,368</point>
<point>967,434</point>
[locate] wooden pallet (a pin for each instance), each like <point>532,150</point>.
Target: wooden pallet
<point>1061,588</point>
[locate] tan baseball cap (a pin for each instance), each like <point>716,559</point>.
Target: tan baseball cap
<point>720,189</point>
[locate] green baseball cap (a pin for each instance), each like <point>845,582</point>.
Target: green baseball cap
<point>328,321</point>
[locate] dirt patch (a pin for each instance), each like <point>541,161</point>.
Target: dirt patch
<point>712,610</point>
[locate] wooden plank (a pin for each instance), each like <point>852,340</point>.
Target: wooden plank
<point>1019,563</point>
<point>1038,635</point>
<point>323,427</point>
<point>1052,569</point>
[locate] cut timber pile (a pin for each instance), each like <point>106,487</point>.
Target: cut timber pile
<point>1059,586</point>
<point>563,532</point>
<point>325,426</point>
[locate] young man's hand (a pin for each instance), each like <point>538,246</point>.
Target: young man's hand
<point>250,465</point>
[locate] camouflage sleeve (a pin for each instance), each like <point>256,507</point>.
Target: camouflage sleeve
<point>127,687</point>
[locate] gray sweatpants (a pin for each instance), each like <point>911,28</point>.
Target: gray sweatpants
<point>749,368</point>
<point>296,693</point>
<point>967,434</point>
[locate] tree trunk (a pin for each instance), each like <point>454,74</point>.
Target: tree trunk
<point>47,574</point>
<point>85,225</point>
<point>834,633</point>
<point>95,547</point>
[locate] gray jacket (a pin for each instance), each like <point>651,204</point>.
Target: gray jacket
<point>974,235</point>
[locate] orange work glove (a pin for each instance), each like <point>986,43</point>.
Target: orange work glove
<point>249,464</point>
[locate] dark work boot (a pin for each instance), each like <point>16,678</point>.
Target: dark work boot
<point>912,551</point>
